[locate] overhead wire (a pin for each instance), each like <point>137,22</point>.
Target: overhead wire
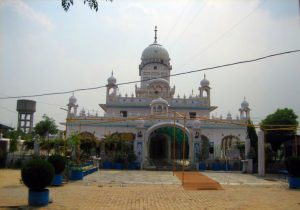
<point>222,35</point>
<point>171,75</point>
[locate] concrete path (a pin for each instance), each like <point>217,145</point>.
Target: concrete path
<point>132,177</point>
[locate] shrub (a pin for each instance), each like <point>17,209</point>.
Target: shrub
<point>37,174</point>
<point>293,166</point>
<point>119,158</point>
<point>131,157</point>
<point>58,162</point>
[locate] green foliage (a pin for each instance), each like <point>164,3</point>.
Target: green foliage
<point>293,166</point>
<point>58,162</point>
<point>131,157</point>
<point>241,147</point>
<point>204,149</point>
<point>45,127</point>
<point>119,157</point>
<point>251,133</point>
<point>93,4</point>
<point>87,143</point>
<point>279,117</point>
<point>74,141</point>
<point>29,144</point>
<point>37,174</point>
<point>13,135</point>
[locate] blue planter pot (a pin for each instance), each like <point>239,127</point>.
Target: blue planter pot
<point>132,166</point>
<point>57,181</point>
<point>119,166</point>
<point>107,165</point>
<point>76,175</point>
<point>294,182</point>
<point>202,166</point>
<point>216,166</point>
<point>38,198</point>
<point>226,167</point>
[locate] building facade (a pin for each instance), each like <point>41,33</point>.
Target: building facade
<point>160,121</point>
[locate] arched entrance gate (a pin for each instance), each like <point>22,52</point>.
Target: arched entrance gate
<point>161,148</point>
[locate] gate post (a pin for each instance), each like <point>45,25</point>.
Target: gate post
<point>261,153</point>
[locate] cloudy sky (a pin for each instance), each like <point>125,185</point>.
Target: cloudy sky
<point>44,49</point>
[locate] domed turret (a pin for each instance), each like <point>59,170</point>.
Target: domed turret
<point>159,101</point>
<point>112,80</point>
<point>155,53</point>
<point>72,100</point>
<point>204,82</point>
<point>245,104</point>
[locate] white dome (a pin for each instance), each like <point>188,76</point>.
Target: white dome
<point>72,100</point>
<point>112,80</point>
<point>159,101</point>
<point>196,124</point>
<point>155,51</point>
<point>245,104</point>
<point>204,82</point>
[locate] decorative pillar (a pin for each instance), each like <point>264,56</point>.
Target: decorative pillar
<point>261,153</point>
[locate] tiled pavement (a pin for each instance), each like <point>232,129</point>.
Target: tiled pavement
<point>115,190</point>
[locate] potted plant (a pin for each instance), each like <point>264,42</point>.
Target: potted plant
<point>119,161</point>
<point>37,174</point>
<point>293,168</point>
<point>76,173</point>
<point>59,164</point>
<point>203,155</point>
<point>131,157</point>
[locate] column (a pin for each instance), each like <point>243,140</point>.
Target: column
<point>247,147</point>
<point>261,153</point>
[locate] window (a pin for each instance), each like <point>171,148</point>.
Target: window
<point>193,115</point>
<point>123,113</point>
<point>155,67</point>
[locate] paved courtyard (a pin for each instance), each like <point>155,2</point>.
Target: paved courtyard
<point>119,190</point>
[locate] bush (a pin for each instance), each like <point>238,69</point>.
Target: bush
<point>293,166</point>
<point>58,162</point>
<point>37,174</point>
<point>131,157</point>
<point>119,158</point>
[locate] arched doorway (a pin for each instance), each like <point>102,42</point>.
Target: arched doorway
<point>158,148</point>
<point>162,148</point>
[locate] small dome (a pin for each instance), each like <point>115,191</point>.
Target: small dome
<point>159,101</point>
<point>112,80</point>
<point>229,117</point>
<point>245,104</point>
<point>196,124</point>
<point>72,100</point>
<point>204,82</point>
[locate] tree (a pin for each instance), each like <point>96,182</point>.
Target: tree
<point>93,4</point>
<point>87,143</point>
<point>285,122</point>
<point>251,133</point>
<point>45,127</point>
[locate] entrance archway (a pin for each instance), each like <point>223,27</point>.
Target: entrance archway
<point>158,146</point>
<point>159,143</point>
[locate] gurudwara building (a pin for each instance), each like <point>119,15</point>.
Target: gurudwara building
<point>155,114</point>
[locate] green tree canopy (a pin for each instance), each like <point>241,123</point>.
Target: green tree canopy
<point>45,127</point>
<point>279,120</point>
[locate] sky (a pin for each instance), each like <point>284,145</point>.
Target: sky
<point>44,49</point>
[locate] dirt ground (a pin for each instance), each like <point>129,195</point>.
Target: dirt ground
<point>85,195</point>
